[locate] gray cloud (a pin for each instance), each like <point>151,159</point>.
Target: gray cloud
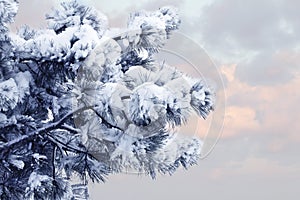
<point>269,68</point>
<point>249,24</point>
<point>251,33</point>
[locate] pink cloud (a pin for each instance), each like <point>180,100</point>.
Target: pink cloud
<point>263,109</point>
<point>239,119</point>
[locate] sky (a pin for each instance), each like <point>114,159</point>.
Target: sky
<point>255,47</point>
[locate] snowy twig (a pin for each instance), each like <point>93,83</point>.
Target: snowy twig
<point>64,146</point>
<point>48,128</point>
<point>106,122</point>
<point>59,124</point>
<point>70,128</point>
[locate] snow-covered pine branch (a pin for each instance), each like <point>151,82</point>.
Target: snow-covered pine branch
<point>82,98</point>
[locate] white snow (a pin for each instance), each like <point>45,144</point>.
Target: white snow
<point>35,180</point>
<point>23,79</point>
<point>143,53</point>
<point>88,38</point>
<point>9,94</point>
<point>3,118</point>
<point>38,156</point>
<point>146,17</point>
<point>8,10</point>
<point>48,44</point>
<point>178,146</point>
<point>16,161</point>
<point>50,117</point>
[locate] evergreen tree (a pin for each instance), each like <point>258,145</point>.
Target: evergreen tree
<point>79,98</point>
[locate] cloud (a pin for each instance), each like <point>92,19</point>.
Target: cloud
<point>251,34</point>
<point>239,119</point>
<point>270,68</point>
<point>253,24</point>
<point>262,120</point>
<point>273,105</point>
<point>256,166</point>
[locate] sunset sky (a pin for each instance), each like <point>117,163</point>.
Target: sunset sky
<point>255,45</point>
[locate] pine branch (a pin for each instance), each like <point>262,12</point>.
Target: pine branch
<point>59,124</point>
<point>45,129</point>
<point>64,146</point>
<point>70,128</point>
<point>109,125</point>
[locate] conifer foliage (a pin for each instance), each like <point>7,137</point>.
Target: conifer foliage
<point>79,98</point>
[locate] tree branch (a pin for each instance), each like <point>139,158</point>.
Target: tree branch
<point>70,128</point>
<point>48,128</point>
<point>63,145</point>
<point>59,124</point>
<point>105,121</point>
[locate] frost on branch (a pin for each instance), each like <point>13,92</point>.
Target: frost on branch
<point>9,94</point>
<point>83,99</point>
<point>72,14</point>
<point>8,10</point>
